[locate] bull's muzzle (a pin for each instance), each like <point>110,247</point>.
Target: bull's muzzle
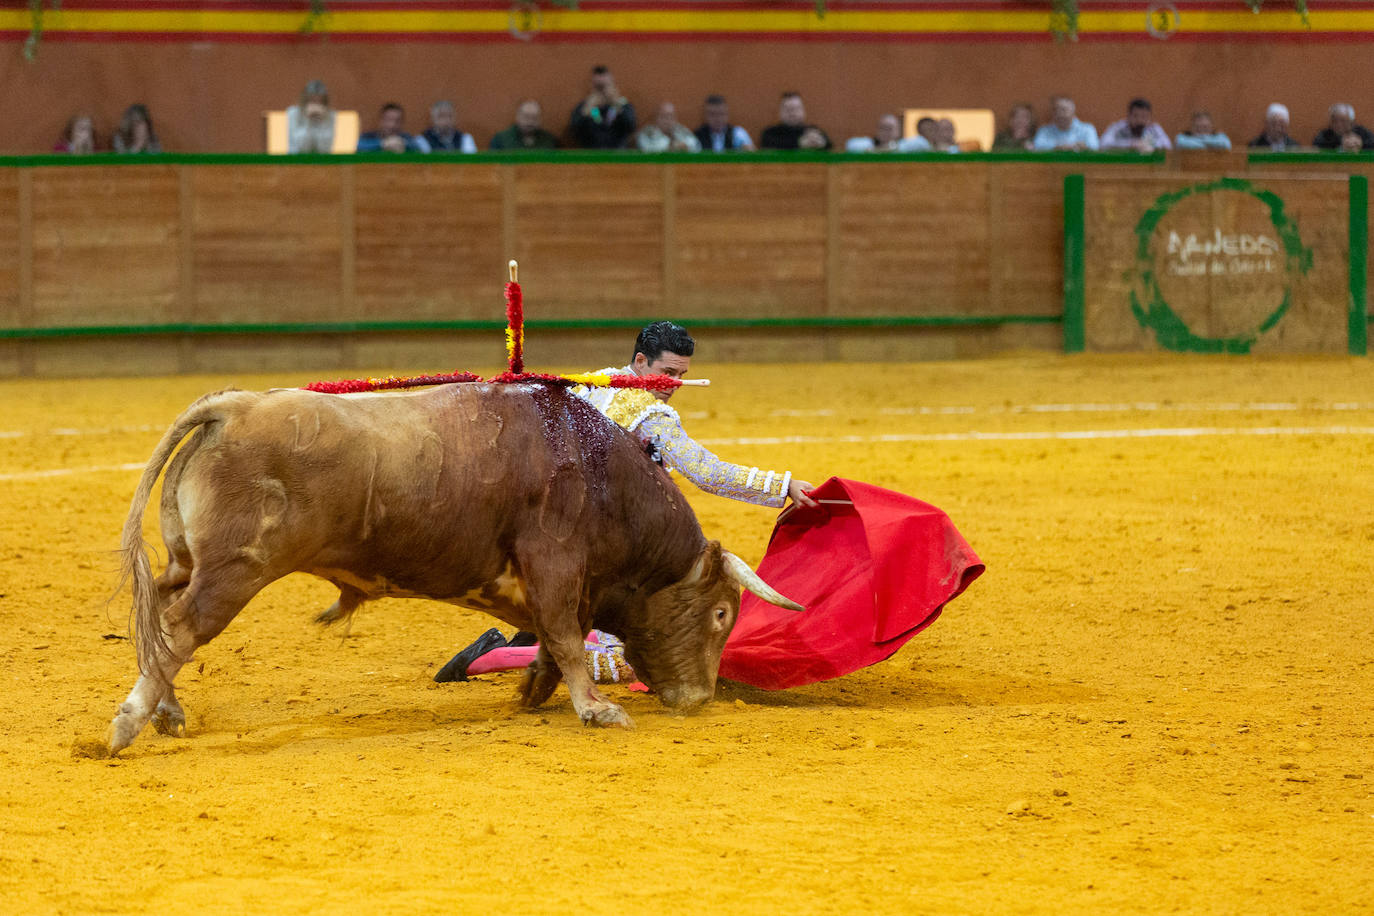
<point>685,698</point>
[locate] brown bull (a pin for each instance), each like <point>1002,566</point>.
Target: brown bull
<point>521,500</point>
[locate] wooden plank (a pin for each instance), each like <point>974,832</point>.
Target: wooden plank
<point>508,224</point>
<point>105,245</point>
<point>186,261</point>
<point>751,239</point>
<point>429,241</point>
<point>348,241</point>
<point>14,258</point>
<point>590,240</point>
<point>913,239</point>
<point>1318,319</point>
<point>267,243</point>
<point>1217,268</point>
<point>1026,241</point>
<point>670,303</point>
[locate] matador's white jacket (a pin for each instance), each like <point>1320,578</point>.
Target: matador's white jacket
<point>658,425</point>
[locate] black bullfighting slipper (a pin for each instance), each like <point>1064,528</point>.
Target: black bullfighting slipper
<point>457,667</point>
<point>522,638</point>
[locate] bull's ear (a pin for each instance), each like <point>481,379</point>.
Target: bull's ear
<point>742,575</point>
<point>707,562</point>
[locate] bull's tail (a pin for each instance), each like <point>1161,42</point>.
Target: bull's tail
<point>145,618</point>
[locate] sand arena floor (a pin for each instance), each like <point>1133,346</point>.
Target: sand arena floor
<point>1157,698</point>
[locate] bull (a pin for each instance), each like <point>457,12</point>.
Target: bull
<point>520,500</point>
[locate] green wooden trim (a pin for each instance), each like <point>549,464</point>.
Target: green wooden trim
<point>1330,157</point>
<point>1359,265</point>
<point>567,157</point>
<point>588,324</point>
<point>1075,333</point>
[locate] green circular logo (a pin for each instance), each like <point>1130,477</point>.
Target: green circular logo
<point>1208,256</point>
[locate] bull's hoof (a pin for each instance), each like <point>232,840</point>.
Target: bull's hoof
<point>331,614</point>
<point>123,730</point>
<point>538,685</point>
<point>608,716</point>
<point>169,720</point>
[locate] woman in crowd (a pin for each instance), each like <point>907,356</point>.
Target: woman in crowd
<point>78,137</point>
<point>1019,134</point>
<point>310,123</point>
<point>135,133</point>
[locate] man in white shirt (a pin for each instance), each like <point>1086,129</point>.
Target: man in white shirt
<point>1065,132</point>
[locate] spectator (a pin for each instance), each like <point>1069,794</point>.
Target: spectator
<point>926,129</point>
<point>1019,134</point>
<point>1065,131</point>
<point>717,134</point>
<point>1202,134</point>
<point>945,141</point>
<point>886,139</point>
<point>527,132</point>
<point>78,137</point>
<point>135,132</point>
<point>389,136</point>
<point>310,122</point>
<point>1275,135</point>
<point>792,131</point>
<point>1352,143</point>
<point>1342,125</point>
<point>666,134</point>
<point>1137,131</point>
<point>604,119</point>
<point>443,135</point>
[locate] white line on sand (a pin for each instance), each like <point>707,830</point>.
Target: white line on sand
<point>1182,432</point>
<point>68,472</point>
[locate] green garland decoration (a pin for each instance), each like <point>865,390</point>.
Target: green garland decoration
<point>1063,18</point>
<point>314,19</point>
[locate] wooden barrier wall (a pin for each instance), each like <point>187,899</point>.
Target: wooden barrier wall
<point>1197,264</point>
<point>769,258</point>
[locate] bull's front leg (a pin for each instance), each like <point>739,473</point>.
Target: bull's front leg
<point>541,679</point>
<point>592,707</point>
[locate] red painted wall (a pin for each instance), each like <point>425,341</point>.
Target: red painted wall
<point>208,97</point>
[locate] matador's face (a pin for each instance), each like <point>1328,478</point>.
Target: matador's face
<point>673,365</point>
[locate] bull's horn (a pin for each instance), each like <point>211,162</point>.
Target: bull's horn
<point>746,578</point>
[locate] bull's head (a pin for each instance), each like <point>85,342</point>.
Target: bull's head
<point>676,647</point>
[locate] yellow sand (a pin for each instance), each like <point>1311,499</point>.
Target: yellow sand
<point>1157,698</point>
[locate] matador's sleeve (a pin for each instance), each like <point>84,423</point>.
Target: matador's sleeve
<point>683,454</point>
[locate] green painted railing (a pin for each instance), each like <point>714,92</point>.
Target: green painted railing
<point>620,157</point>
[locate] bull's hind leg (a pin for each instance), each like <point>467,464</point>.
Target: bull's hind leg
<point>169,718</point>
<point>197,615</point>
<point>350,599</point>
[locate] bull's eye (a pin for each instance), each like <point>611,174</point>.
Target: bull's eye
<point>720,614</point>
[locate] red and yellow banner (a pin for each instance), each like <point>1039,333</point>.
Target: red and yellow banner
<point>539,20</point>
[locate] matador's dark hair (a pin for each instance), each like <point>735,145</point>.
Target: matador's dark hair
<point>664,336</point>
